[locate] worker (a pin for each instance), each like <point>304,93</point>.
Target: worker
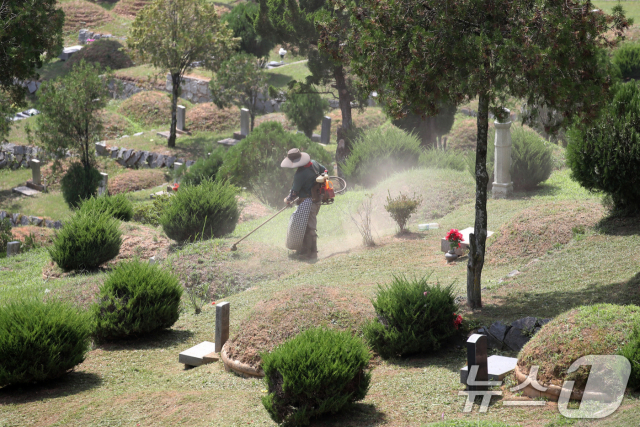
<point>282,53</point>
<point>305,190</point>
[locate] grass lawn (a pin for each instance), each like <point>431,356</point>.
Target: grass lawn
<point>279,77</point>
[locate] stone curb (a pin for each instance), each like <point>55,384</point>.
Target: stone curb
<point>238,367</point>
<point>18,219</point>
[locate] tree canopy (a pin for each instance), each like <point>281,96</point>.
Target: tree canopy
<point>418,53</point>
<point>173,34</point>
<point>241,19</point>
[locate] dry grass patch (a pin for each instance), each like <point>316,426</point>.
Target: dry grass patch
<point>598,329</point>
<point>43,236</point>
<point>539,229</point>
<point>292,311</point>
<point>208,117</point>
<point>135,180</point>
<point>114,125</point>
<point>149,108</point>
<point>130,8</point>
<point>82,14</point>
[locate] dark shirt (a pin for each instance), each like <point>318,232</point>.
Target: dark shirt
<point>304,179</point>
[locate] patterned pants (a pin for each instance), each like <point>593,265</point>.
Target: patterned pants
<point>310,242</point>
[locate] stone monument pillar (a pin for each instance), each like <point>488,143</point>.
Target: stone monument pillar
<point>222,325</point>
<point>35,172</point>
<point>502,185</point>
<point>104,185</point>
<point>181,116</point>
<point>13,248</point>
<point>325,133</point>
<point>245,122</point>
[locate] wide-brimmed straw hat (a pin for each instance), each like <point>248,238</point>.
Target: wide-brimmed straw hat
<point>295,158</point>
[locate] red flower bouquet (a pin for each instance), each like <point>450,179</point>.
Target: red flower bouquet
<point>454,237</point>
<point>457,320</point>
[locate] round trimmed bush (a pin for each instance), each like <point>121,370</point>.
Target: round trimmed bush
<point>632,352</point>
<point>105,52</point>
<point>79,183</point>
<point>255,161</point>
<point>627,58</point>
<point>201,211</point>
<point>41,341</point>
<point>531,159</point>
<point>319,371</point>
<point>117,206</point>
<point>604,155</point>
<point>412,317</point>
<point>136,298</point>
<point>87,240</point>
<point>380,152</point>
<point>305,111</point>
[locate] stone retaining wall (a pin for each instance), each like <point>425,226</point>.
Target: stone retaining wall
<point>140,159</point>
<point>17,219</point>
<point>123,89</point>
<point>14,156</point>
<point>193,90</point>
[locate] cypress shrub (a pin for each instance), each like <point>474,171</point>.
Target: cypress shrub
<point>150,212</point>
<point>136,298</point>
<point>41,341</point>
<point>201,211</point>
<point>412,317</point>
<point>87,240</point>
<point>5,236</point>
<point>117,206</point>
<point>531,159</point>
<point>79,184</point>
<point>604,155</point>
<point>305,111</point>
<point>255,161</point>
<point>202,169</point>
<point>632,352</point>
<point>443,159</point>
<point>627,59</point>
<point>317,372</point>
<point>379,152</point>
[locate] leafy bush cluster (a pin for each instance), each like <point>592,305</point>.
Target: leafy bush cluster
<point>202,169</point>
<point>632,352</point>
<point>41,341</point>
<point>201,211</point>
<point>412,317</point>
<point>88,239</point>
<point>135,299</point>
<point>150,213</point>
<point>255,161</point>
<point>531,159</point>
<point>401,208</point>
<point>5,236</point>
<point>380,152</point>
<point>627,59</point>
<point>305,111</point>
<point>106,53</point>
<point>319,371</point>
<point>79,183</point>
<point>605,155</point>
<point>117,206</point>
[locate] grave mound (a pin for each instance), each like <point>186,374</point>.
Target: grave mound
<point>598,329</point>
<point>130,8</point>
<point>105,52</point>
<point>80,14</point>
<point>539,229</point>
<point>292,311</point>
<point>114,125</point>
<point>208,117</point>
<point>150,108</point>
<point>135,180</point>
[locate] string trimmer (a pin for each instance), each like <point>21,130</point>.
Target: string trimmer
<point>234,247</point>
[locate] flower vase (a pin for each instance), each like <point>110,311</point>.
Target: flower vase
<point>451,255</point>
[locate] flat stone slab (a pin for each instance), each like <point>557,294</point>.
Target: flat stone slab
<point>195,356</point>
<point>26,191</point>
<point>445,246</point>
<point>228,142</point>
<point>498,366</point>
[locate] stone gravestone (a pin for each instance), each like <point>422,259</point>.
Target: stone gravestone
<point>477,356</point>
<point>103,184</point>
<point>35,172</point>
<point>181,113</point>
<point>222,325</point>
<point>502,186</point>
<point>245,122</point>
<point>13,248</point>
<point>325,133</point>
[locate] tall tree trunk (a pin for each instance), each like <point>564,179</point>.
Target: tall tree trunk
<point>478,239</point>
<point>344,98</point>
<point>175,93</point>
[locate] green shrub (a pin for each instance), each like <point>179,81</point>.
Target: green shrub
<point>202,169</point>
<point>305,111</point>
<point>424,128</point>
<point>150,213</point>
<point>87,240</point>
<point>401,208</point>
<point>117,206</point>
<point>319,371</point>
<point>632,352</point>
<point>201,211</point>
<point>379,152</point>
<point>605,154</point>
<point>531,158</point>
<point>241,20</point>
<point>79,184</point>
<point>136,298</point>
<point>41,341</point>
<point>443,159</point>
<point>627,59</point>
<point>106,53</point>
<point>255,161</point>
<point>412,317</point>
<point>5,236</point>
